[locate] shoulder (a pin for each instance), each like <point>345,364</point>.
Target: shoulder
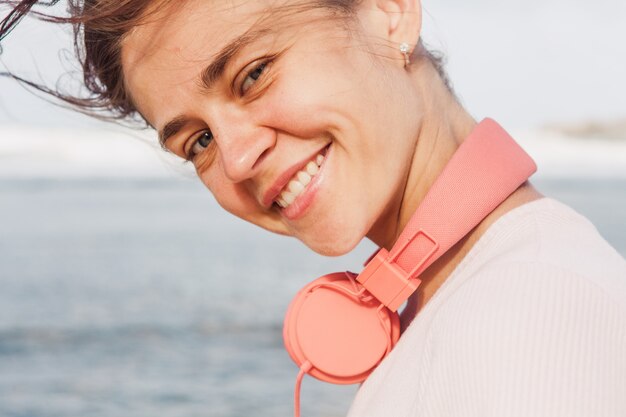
<point>541,245</point>
<point>525,325</point>
<point>535,302</point>
<point>536,321</point>
<point>543,276</point>
<point>532,339</point>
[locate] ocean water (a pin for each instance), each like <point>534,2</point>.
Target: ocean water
<point>140,298</point>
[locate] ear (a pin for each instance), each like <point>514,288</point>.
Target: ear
<point>403,20</point>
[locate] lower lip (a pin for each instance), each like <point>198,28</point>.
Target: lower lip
<point>302,203</point>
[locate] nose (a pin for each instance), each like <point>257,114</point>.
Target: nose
<point>243,144</point>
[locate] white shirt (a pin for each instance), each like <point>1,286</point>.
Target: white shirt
<point>531,323</point>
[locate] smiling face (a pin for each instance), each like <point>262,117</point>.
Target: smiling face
<point>293,120</point>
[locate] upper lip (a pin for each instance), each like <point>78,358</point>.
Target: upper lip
<point>281,181</point>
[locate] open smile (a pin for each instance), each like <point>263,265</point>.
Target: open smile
<point>299,182</point>
<point>291,189</point>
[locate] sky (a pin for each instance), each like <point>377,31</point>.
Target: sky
<point>525,63</point>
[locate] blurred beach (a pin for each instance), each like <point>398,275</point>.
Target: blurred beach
<point>125,291</point>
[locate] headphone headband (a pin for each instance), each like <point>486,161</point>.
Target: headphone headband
<point>486,168</point>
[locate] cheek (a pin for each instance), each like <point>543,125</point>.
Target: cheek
<point>294,110</point>
<point>306,100</point>
<point>238,201</point>
<point>231,197</point>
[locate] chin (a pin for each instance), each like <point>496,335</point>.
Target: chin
<point>333,244</point>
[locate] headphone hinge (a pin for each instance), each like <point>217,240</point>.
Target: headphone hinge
<point>386,281</point>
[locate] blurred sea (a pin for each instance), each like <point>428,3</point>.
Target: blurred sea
<point>141,298</point>
<point>125,291</point>
<point>127,297</point>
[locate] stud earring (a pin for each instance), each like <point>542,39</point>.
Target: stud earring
<point>405,49</point>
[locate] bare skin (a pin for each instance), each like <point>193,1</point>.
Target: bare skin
<point>383,142</point>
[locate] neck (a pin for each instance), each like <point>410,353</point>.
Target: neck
<point>444,126</point>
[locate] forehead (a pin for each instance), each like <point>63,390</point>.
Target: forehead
<point>179,26</point>
<point>174,43</point>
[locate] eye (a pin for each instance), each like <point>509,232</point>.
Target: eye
<point>201,142</point>
<point>252,77</point>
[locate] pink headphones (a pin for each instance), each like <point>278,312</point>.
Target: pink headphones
<point>341,326</point>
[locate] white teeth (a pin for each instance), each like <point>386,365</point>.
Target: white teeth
<point>299,181</point>
<point>312,168</point>
<point>304,177</point>
<point>288,197</point>
<point>295,187</point>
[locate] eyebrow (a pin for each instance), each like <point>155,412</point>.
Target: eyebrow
<point>170,129</point>
<point>210,75</point>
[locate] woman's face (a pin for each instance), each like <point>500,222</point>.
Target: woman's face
<point>294,122</point>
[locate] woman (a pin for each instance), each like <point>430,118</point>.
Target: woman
<point>329,121</point>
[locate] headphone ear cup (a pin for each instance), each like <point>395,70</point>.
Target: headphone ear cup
<point>343,336</point>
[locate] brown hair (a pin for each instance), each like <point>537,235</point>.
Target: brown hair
<point>99,27</point>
